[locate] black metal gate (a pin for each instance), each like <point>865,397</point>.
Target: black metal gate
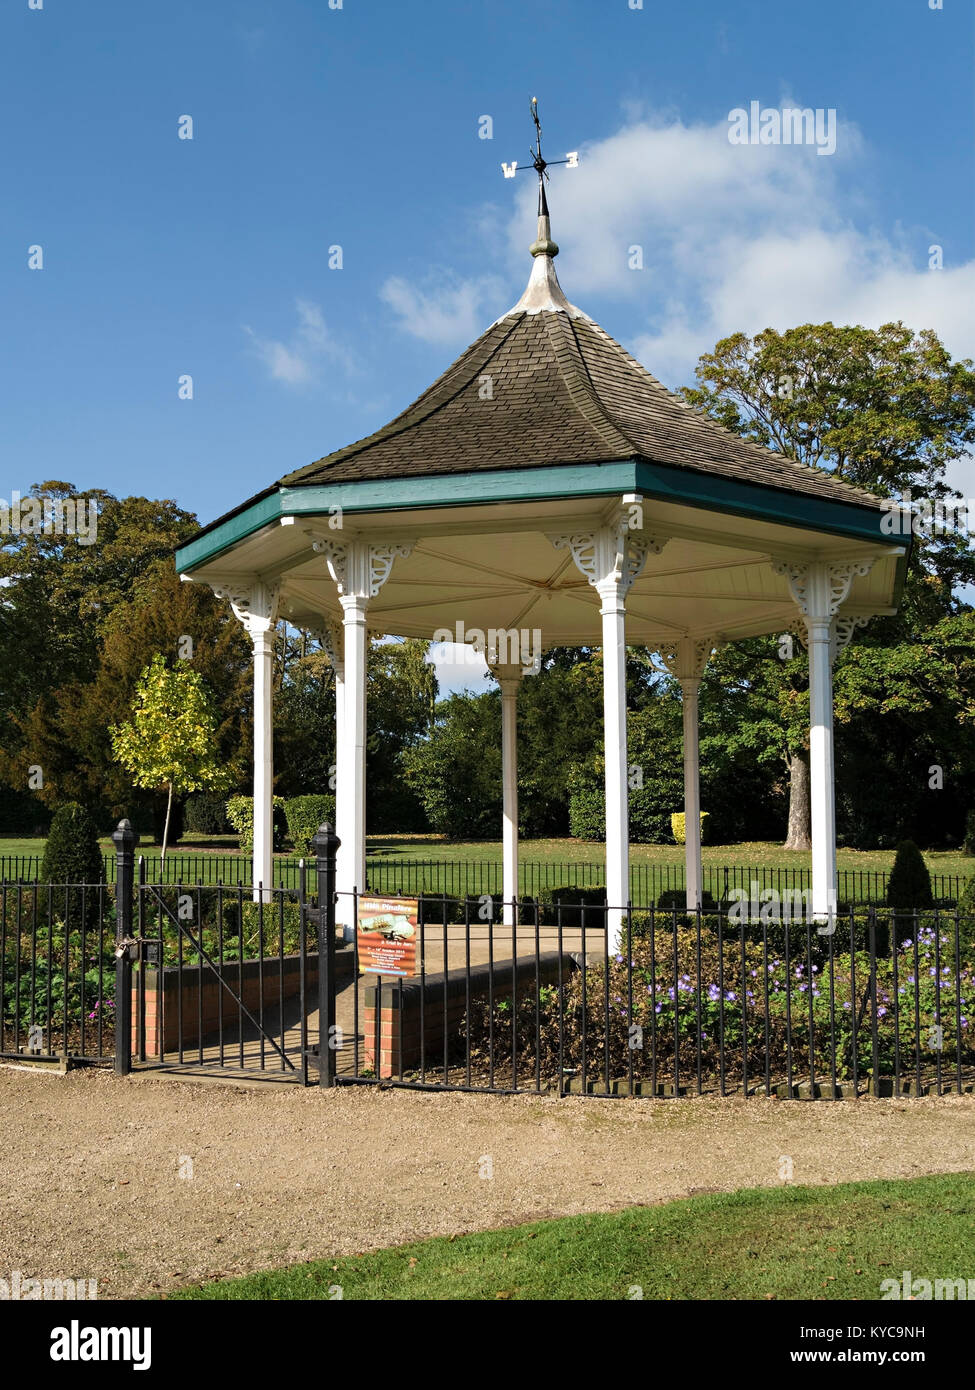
<point>212,979</point>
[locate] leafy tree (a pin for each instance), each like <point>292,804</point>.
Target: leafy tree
<point>59,595</point>
<point>885,409</point>
<point>559,728</point>
<point>904,717</point>
<point>172,739</point>
<point>656,785</point>
<point>456,770</point>
<point>400,695</point>
<point>78,624</point>
<point>304,726</point>
<point>400,700</point>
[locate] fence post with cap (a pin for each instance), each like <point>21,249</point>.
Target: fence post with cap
<point>325,845</point>
<point>125,840</point>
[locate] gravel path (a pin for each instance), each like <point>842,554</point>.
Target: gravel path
<point>90,1183</point>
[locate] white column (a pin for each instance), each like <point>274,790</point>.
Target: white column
<point>256,606</point>
<point>612,557</point>
<point>819,589</point>
<point>351,798</point>
<point>686,660</point>
<point>822,794</point>
<point>692,792</point>
<point>613,614</point>
<point>509,679</point>
<point>359,570</point>
<point>330,635</point>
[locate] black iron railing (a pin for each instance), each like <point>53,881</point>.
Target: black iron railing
<point>669,1004</point>
<point>475,877</point>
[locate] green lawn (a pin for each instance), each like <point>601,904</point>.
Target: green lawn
<point>403,848</point>
<point>787,1243</point>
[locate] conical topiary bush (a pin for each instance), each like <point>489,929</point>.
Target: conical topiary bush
<point>909,885</point>
<point>72,857</point>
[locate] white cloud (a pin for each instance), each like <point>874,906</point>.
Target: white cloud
<point>297,361</point>
<point>737,238</point>
<point>451,311</point>
<point>459,668</point>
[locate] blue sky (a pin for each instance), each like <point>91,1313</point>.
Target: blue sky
<point>358,127</point>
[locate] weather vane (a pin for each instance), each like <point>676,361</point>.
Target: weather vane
<point>538,163</point>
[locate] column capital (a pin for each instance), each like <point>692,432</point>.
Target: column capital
<point>687,658</point>
<point>612,556</point>
<point>255,603</point>
<point>842,628</point>
<point>360,568</point>
<point>329,637</point>
<point>508,677</point>
<point>820,587</point>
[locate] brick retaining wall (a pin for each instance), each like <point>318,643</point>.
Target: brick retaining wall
<point>217,997</point>
<point>436,1018</point>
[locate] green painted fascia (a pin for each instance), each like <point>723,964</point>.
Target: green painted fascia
<point>406,494</point>
<point>559,481</point>
<point>213,540</point>
<point>785,508</point>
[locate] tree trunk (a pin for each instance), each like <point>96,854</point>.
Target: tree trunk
<point>169,807</point>
<point>799,834</point>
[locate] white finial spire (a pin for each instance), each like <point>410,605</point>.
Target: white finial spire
<point>543,291</point>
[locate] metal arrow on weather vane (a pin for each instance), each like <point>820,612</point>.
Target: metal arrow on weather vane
<point>538,163</point>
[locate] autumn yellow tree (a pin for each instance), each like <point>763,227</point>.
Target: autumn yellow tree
<point>171,741</point>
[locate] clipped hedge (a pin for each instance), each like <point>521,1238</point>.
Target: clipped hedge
<point>679,827</point>
<point>578,906</point>
<point>205,815</point>
<point>304,814</point>
<point>240,814</point>
<point>675,899</point>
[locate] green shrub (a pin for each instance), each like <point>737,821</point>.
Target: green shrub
<point>240,813</point>
<point>700,1002</point>
<point>304,815</point>
<point>206,815</point>
<point>587,820</point>
<point>909,885</point>
<point>968,846</point>
<point>676,898</point>
<point>678,827</point>
<point>966,921</point>
<point>966,903</point>
<point>276,925</point>
<point>579,906</point>
<point>72,856</point>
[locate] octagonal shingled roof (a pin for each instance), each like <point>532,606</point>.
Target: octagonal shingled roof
<point>546,385</point>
